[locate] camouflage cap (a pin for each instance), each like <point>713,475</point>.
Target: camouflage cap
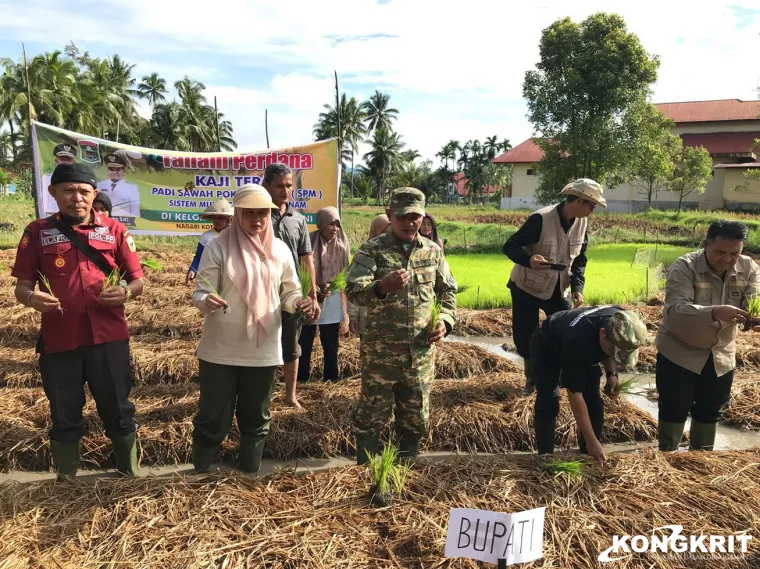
<point>407,200</point>
<point>627,332</point>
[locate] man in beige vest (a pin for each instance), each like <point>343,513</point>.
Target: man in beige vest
<point>705,299</point>
<point>549,252</point>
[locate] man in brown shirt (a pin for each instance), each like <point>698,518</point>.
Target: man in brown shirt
<point>705,299</point>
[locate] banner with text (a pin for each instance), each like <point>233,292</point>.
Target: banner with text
<point>163,192</point>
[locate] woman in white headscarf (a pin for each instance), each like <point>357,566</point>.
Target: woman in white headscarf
<point>330,251</point>
<point>245,278</point>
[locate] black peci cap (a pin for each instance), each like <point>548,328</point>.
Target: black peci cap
<point>65,150</point>
<point>73,173</point>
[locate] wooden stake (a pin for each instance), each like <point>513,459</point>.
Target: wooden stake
<point>29,130</point>
<point>266,125</point>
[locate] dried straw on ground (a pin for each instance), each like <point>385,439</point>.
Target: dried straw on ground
<point>489,323</point>
<point>744,408</point>
<point>321,521</point>
<point>484,414</point>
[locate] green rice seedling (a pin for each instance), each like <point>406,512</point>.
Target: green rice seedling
<point>215,292</point>
<point>304,276</point>
<point>338,283</point>
<point>463,288</point>
<point>557,466</point>
<point>152,264</point>
<point>627,385</point>
<point>113,279</point>
<point>753,307</point>
<point>388,477</point>
<point>435,315</point>
<point>44,281</point>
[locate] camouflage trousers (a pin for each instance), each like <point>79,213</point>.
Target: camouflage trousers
<point>382,386</point>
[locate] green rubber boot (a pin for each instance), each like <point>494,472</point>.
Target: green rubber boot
<point>366,444</point>
<point>251,451</point>
<point>408,445</point>
<point>702,435</point>
<point>125,451</point>
<point>203,457</point>
<point>669,435</point>
<point>65,459</point>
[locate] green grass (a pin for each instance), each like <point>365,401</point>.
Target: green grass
<point>610,278</point>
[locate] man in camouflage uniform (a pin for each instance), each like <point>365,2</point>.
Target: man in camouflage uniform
<point>398,276</point>
<point>566,352</point>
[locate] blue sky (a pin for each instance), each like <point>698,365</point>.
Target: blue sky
<point>453,69</point>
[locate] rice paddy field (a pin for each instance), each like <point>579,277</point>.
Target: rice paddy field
<point>325,520</point>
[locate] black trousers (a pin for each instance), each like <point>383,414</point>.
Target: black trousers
<point>681,392</point>
<point>548,373</point>
<point>525,309</point>
<point>106,370</point>
<point>244,392</point>
<point>328,336</point>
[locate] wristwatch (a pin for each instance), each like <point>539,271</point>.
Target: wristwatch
<point>127,292</point>
<point>611,373</point>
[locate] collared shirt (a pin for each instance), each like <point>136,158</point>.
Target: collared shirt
<point>76,281</point>
<point>125,198</point>
<point>688,334</point>
<point>530,234</point>
<point>294,231</point>
<point>573,338</point>
<point>397,325</point>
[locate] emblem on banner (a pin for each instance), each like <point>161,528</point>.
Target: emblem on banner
<point>90,151</point>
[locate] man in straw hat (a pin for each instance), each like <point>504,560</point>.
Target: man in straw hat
<point>220,215</point>
<point>84,337</point>
<point>706,297</point>
<point>400,277</point>
<point>567,350</point>
<point>549,252</point>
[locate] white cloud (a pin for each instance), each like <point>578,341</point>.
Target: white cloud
<point>454,70</point>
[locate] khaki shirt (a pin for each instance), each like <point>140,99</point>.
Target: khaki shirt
<point>688,334</point>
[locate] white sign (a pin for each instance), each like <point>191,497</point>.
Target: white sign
<point>490,536</point>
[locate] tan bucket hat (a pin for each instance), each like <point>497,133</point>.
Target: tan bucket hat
<point>253,196</point>
<point>587,189</point>
<point>218,208</point>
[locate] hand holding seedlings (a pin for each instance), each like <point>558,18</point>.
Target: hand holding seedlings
<point>307,306</point>
<point>393,281</point>
<point>44,302</point>
<point>436,328</point>
<point>113,296</point>
<point>214,303</point>
<point>753,308</point>
<point>729,314</point>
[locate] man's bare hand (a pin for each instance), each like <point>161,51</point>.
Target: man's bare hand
<point>577,300</point>
<point>189,278</point>
<point>43,302</point>
<point>729,314</point>
<point>595,450</point>
<point>393,281</point>
<point>438,334</point>
<point>538,263</point>
<point>113,296</point>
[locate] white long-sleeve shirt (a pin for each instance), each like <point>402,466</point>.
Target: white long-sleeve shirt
<point>225,339</point>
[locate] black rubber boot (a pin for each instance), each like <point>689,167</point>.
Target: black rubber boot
<point>65,459</point>
<point>366,444</point>
<point>702,435</point>
<point>530,378</point>
<point>545,436</point>
<point>408,445</point>
<point>669,435</point>
<point>251,451</point>
<point>203,458</point>
<point>125,452</point>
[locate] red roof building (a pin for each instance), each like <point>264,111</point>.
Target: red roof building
<point>710,111</point>
<point>527,152</point>
<point>460,183</point>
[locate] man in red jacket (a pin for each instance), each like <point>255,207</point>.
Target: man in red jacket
<point>84,335</point>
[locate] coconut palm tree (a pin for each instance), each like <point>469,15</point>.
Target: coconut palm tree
<point>377,112</point>
<point>384,158</point>
<point>153,88</point>
<point>492,146</point>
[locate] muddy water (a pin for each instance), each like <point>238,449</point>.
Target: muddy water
<point>727,438</point>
